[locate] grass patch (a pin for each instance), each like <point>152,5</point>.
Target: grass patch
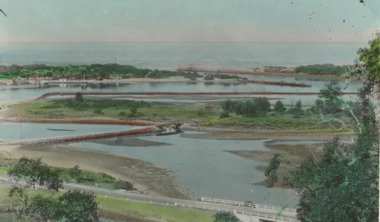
<point>132,209</point>
<point>146,210</point>
<point>201,114</point>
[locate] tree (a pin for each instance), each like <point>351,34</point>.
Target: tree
<point>78,206</point>
<point>227,105</point>
<point>262,104</point>
<point>74,206</point>
<point>339,187</point>
<point>332,96</point>
<point>343,185</point>
<point>225,217</point>
<point>78,97</point>
<point>371,58</point>
<point>279,107</point>
<point>19,201</point>
<point>271,170</point>
<point>35,172</point>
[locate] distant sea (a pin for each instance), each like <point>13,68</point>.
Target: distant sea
<point>172,56</point>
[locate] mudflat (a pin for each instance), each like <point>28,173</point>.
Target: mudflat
<point>146,177</point>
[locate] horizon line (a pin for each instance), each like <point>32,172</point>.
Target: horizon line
<point>185,42</point>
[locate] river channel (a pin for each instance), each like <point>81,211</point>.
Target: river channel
<point>200,165</point>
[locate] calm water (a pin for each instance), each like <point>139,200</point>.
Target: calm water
<point>16,131</point>
<point>200,165</point>
<point>9,94</point>
<point>242,56</point>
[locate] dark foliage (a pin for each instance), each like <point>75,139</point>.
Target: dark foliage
<point>259,105</point>
<point>343,185</point>
<point>325,69</point>
<point>74,206</point>
<point>125,185</point>
<point>279,107</point>
<point>225,217</point>
<point>271,170</point>
<point>35,172</point>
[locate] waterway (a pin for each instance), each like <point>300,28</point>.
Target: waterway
<point>202,166</point>
<point>10,93</point>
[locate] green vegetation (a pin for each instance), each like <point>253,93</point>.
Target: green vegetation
<point>253,107</point>
<point>322,69</point>
<point>127,208</point>
<point>146,210</point>
<point>279,107</point>
<point>229,113</point>
<point>36,172</point>
<point>371,59</point>
<point>343,184</point>
<point>74,205</point>
<point>225,217</point>
<point>76,175</point>
<point>331,95</point>
<point>98,71</point>
<point>271,170</point>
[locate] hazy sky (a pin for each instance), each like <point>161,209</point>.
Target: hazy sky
<point>189,20</point>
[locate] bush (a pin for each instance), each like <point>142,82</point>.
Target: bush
<point>224,114</point>
<point>98,111</point>
<point>279,107</point>
<point>133,111</point>
<point>271,170</point>
<point>262,104</point>
<point>125,185</point>
<point>78,97</point>
<point>35,172</point>
<point>225,217</point>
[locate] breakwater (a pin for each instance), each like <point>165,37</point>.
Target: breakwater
<point>173,94</point>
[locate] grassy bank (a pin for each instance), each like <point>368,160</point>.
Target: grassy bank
<point>146,210</point>
<point>134,210</point>
<point>79,176</point>
<point>204,115</point>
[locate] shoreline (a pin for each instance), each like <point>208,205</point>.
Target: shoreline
<point>244,132</point>
<point>146,177</point>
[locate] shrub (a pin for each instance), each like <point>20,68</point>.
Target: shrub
<point>279,107</point>
<point>125,185</point>
<point>98,111</point>
<point>224,114</point>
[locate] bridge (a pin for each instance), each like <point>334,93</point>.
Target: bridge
<point>161,130</point>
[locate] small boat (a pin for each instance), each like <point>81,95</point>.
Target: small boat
<point>60,129</point>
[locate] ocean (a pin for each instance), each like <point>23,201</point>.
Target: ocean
<point>171,56</point>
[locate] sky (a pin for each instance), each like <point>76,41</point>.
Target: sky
<point>227,21</point>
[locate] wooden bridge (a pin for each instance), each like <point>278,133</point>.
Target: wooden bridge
<point>161,130</point>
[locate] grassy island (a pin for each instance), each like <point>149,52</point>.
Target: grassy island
<point>240,114</point>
